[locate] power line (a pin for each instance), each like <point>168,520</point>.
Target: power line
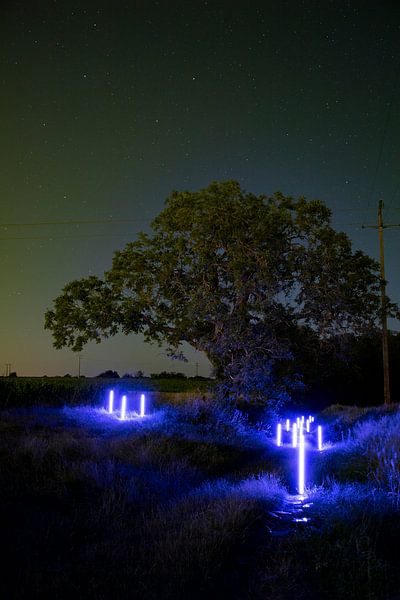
<point>335,210</point>
<point>67,237</point>
<point>384,132</point>
<point>83,222</point>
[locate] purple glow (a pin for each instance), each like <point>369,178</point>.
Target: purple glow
<point>123,408</point>
<point>319,437</point>
<point>294,435</point>
<point>111,401</point>
<point>142,405</point>
<point>287,424</point>
<point>279,435</point>
<point>301,465</point>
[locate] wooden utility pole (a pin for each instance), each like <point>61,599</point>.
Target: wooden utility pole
<point>385,345</point>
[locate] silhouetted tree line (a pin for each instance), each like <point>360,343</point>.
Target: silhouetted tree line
<point>346,370</point>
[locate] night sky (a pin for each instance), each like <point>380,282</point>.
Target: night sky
<point>108,106</point>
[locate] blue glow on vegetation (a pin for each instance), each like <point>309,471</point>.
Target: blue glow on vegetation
<point>294,435</point>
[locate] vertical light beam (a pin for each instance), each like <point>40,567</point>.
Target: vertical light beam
<point>308,425</point>
<point>287,424</point>
<point>279,435</point>
<point>123,408</point>
<point>294,435</point>
<point>301,465</point>
<point>142,405</point>
<point>319,437</point>
<point>111,401</point>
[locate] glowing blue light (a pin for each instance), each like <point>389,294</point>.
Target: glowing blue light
<point>294,435</point>
<point>123,408</point>
<point>298,422</point>
<point>111,401</point>
<point>308,425</point>
<point>142,405</point>
<point>319,437</point>
<point>301,465</point>
<point>302,419</point>
<point>279,435</point>
<point>287,424</point>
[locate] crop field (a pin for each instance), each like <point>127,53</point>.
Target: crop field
<point>193,500</point>
<point>74,391</point>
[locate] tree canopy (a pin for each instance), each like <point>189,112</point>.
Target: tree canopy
<point>236,275</point>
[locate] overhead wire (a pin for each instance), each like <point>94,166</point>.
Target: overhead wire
<point>81,222</point>
<point>384,132</point>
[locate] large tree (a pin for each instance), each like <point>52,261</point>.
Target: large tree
<point>237,276</point>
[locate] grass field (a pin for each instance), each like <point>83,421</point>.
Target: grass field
<point>193,501</point>
<point>74,391</point>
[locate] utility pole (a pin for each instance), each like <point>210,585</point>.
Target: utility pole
<point>197,369</point>
<point>8,370</point>
<point>385,345</point>
<point>79,365</point>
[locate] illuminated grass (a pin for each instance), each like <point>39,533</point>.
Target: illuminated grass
<point>185,503</point>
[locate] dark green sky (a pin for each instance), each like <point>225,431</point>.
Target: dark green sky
<point>108,106</point>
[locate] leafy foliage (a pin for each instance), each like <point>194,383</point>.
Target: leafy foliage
<point>237,276</point>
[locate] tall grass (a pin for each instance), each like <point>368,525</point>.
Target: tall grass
<point>145,515</point>
<point>190,503</point>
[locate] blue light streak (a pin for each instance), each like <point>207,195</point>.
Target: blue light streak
<point>287,424</point>
<point>301,480</point>
<point>319,437</point>
<point>279,435</point>
<point>111,402</point>
<point>123,408</point>
<point>142,405</point>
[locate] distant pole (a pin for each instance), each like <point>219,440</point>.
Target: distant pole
<point>197,369</point>
<point>79,366</point>
<point>385,345</point>
<point>8,369</point>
